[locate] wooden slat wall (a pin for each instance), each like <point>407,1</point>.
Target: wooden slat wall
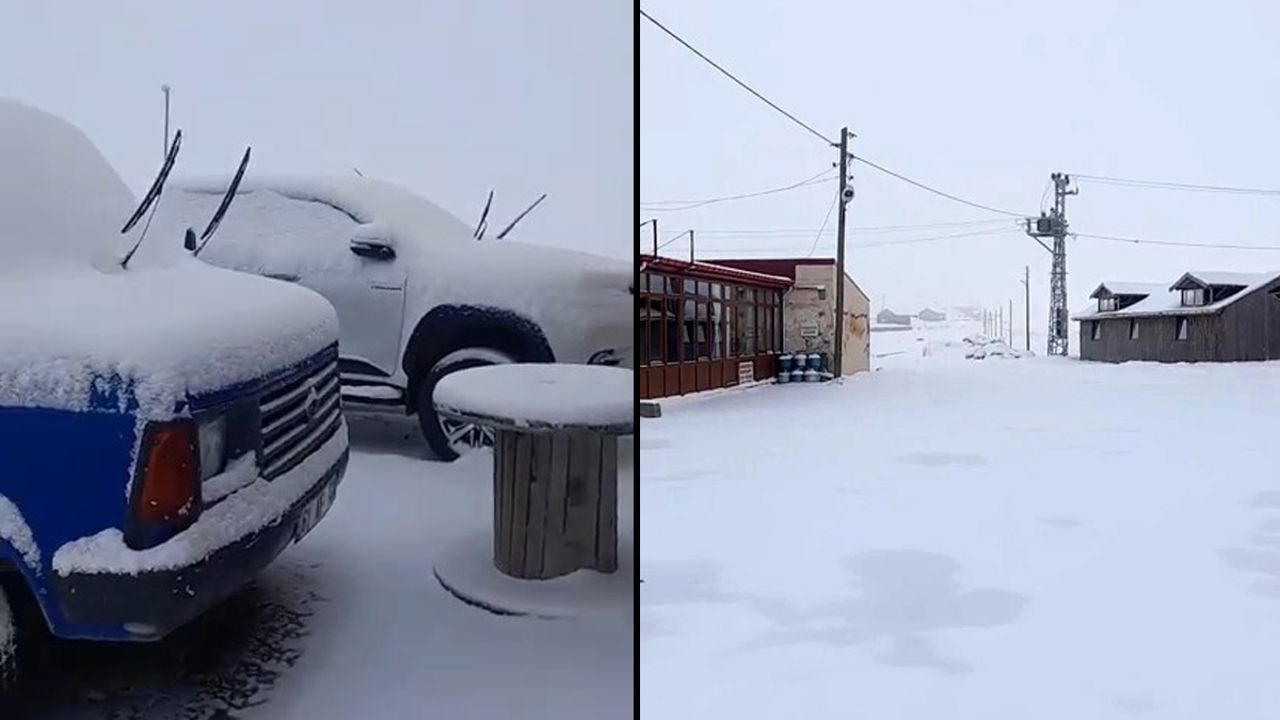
<point>684,378</point>
<point>1157,340</point>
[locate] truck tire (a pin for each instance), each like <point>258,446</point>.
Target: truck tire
<point>8,645</point>
<point>445,438</point>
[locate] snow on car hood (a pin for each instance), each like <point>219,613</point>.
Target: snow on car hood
<point>170,332</point>
<point>169,326</point>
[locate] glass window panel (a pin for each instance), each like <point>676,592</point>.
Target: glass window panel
<point>671,331</point>
<point>717,328</point>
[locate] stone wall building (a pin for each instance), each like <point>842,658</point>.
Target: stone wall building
<point>808,309</point>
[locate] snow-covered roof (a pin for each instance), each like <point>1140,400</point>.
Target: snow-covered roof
<point>1127,288</point>
<point>1233,279</point>
<point>1164,300</point>
<point>714,271</point>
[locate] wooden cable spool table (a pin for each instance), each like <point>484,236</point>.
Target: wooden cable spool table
<point>555,474</point>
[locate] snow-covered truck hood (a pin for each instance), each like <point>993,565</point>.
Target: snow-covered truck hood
<point>168,333</point>
<point>582,301</point>
<point>73,320</point>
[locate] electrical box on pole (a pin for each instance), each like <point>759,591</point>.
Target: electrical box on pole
<point>1054,225</point>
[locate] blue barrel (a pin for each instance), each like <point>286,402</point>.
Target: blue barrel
<point>815,361</point>
<point>784,377</point>
<point>797,375</point>
<point>784,363</point>
<point>812,376</point>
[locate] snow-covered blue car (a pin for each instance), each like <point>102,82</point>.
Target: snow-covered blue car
<point>167,427</point>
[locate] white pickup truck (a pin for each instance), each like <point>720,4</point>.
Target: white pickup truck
<point>417,295</point>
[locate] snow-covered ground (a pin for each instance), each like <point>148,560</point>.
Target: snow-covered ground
<point>351,622</point>
<point>949,538</point>
<point>390,642</point>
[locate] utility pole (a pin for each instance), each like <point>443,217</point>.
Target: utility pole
<point>846,194</point>
<point>165,89</point>
<point>654,223</point>
<point>1054,225</point>
<point>690,246</point>
<point>1026,282</point>
<point>1011,322</point>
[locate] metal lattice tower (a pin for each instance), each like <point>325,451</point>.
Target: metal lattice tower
<point>1054,225</point>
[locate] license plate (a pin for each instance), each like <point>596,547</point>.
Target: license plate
<point>314,510</point>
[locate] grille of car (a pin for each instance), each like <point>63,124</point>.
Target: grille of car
<point>298,416</point>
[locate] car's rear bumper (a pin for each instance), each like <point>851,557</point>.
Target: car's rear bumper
<point>149,605</point>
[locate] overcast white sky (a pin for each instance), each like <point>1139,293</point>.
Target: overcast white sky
<point>983,100</point>
<point>448,98</point>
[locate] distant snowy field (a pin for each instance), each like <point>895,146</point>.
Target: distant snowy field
<point>949,538</point>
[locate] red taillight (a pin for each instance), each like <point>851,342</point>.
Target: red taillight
<point>169,480</point>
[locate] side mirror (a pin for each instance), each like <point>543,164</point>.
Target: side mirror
<point>373,249</point>
<point>189,241</point>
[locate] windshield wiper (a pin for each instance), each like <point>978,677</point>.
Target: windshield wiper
<point>226,203</point>
<point>149,200</point>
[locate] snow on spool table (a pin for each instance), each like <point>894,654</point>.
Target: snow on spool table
<point>555,475</point>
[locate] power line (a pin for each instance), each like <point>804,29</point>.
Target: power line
<point>732,77</point>
<point>936,191</point>
<point>885,243</point>
<point>668,242</point>
<point>1162,185</point>
<point>1144,241</point>
<point>815,133</point>
<point>651,206</point>
<point>904,241</point>
<point>863,230</point>
<point>835,199</point>
<point>911,241</point>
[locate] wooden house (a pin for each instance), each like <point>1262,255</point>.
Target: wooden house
<point>1201,317</point>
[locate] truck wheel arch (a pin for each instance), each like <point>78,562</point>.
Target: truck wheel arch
<point>23,596</point>
<point>449,328</point>
<point>21,581</point>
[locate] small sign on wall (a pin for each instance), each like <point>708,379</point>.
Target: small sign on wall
<point>746,372</point>
<point>809,329</point>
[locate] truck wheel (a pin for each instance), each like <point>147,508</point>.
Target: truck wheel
<point>8,644</point>
<point>447,439</point>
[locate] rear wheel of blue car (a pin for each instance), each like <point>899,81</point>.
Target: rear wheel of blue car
<point>447,439</point>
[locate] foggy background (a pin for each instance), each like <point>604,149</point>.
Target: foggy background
<point>447,99</point>
<point>979,99</point>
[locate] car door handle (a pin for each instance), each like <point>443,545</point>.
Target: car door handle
<point>287,277</point>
